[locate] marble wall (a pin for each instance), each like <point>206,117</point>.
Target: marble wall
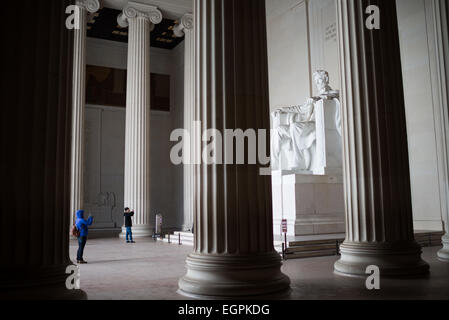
<point>323,39</point>
<point>104,165</point>
<point>422,104</point>
<point>288,56</point>
<point>105,144</point>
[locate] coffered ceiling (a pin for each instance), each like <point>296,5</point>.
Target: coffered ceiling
<point>171,9</point>
<point>103,25</point>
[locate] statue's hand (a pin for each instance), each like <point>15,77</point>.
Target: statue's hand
<point>278,112</point>
<point>311,100</point>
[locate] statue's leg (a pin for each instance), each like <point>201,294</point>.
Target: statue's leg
<point>307,157</point>
<point>297,158</point>
<point>280,136</point>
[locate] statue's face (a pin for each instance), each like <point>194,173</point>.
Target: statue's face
<point>321,82</point>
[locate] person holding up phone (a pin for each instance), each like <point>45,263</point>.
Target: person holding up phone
<point>128,225</point>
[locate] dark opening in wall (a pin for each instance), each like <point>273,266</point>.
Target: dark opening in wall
<point>107,87</point>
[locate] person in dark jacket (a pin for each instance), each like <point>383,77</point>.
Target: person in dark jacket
<point>82,226</point>
<point>128,225</point>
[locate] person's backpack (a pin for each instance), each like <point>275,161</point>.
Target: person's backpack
<point>75,231</point>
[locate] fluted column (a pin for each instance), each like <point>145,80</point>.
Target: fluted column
<point>78,105</point>
<point>141,19</point>
<point>233,254</point>
<point>441,13</point>
<point>379,226</point>
<point>185,28</point>
<point>34,241</point>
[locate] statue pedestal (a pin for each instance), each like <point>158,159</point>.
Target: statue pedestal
<point>311,204</point>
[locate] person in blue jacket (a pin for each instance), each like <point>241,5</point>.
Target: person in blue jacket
<point>82,226</point>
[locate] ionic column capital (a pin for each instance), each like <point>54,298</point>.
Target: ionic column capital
<point>91,6</point>
<point>139,10</point>
<point>186,23</point>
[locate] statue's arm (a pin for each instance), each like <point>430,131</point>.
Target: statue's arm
<point>295,109</point>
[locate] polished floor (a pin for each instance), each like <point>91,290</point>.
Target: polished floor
<point>150,270</point>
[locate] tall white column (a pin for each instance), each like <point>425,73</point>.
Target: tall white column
<point>78,105</point>
<point>185,28</point>
<point>233,254</point>
<point>141,19</point>
<point>441,13</point>
<point>379,225</point>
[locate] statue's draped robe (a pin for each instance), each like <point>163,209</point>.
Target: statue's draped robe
<point>303,135</point>
<point>298,137</point>
<point>295,136</point>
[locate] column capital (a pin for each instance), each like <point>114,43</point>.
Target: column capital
<point>186,23</point>
<point>91,6</point>
<point>135,10</point>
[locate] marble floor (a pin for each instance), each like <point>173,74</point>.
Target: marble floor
<point>150,270</point>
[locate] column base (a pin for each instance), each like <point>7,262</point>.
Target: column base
<point>43,293</point>
<point>37,283</point>
<point>221,276</point>
<point>396,260</point>
<point>443,254</point>
<point>139,231</point>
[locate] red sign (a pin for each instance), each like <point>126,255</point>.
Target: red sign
<point>284,225</point>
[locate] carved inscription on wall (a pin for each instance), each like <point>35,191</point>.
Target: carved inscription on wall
<point>331,32</point>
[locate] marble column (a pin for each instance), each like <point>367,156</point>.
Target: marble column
<point>78,105</point>
<point>37,63</point>
<point>141,19</point>
<point>185,28</point>
<point>441,13</point>
<point>233,254</point>
<point>379,226</point>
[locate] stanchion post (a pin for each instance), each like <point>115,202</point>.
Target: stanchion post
<point>285,240</point>
<point>283,251</point>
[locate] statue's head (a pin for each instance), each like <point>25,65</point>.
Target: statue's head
<point>321,79</point>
